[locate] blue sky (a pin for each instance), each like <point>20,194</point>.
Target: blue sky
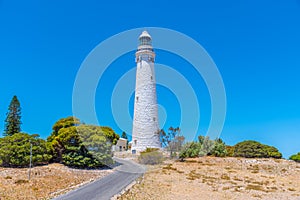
<point>255,45</point>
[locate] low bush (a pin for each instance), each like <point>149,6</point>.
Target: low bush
<point>207,146</point>
<point>190,150</point>
<point>204,147</point>
<point>219,149</point>
<point>15,150</point>
<point>81,146</point>
<point>230,150</point>
<point>151,156</point>
<point>295,157</point>
<point>253,149</point>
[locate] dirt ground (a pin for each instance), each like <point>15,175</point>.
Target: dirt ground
<point>46,181</point>
<point>219,178</point>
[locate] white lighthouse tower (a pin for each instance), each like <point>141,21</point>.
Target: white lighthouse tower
<point>145,119</point>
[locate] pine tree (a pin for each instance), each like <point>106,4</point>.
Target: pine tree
<point>124,135</point>
<point>13,118</point>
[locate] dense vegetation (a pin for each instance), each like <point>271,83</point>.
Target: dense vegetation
<point>296,157</point>
<point>190,150</point>
<point>15,150</point>
<point>87,146</point>
<point>247,149</point>
<point>71,143</point>
<point>204,146</point>
<point>78,145</point>
<point>253,149</point>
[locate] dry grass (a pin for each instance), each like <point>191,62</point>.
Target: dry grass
<point>169,167</point>
<point>220,178</point>
<point>255,187</point>
<point>46,181</point>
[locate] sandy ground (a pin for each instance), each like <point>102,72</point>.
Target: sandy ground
<point>219,178</point>
<point>46,181</point>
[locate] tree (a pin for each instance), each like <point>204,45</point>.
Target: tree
<point>295,157</point>
<point>124,135</point>
<point>207,145</point>
<point>253,149</point>
<point>190,150</point>
<point>64,123</point>
<point>109,133</point>
<point>81,146</point>
<point>13,118</point>
<point>219,149</point>
<point>85,147</point>
<point>230,150</point>
<point>201,139</point>
<point>56,144</point>
<point>172,140</point>
<point>212,147</point>
<point>15,150</point>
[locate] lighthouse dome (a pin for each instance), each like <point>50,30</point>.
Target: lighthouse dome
<point>145,39</point>
<point>145,34</point>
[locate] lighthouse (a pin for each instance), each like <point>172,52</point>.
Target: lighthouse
<point>145,120</point>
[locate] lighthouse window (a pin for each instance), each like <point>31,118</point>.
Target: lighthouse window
<point>145,41</point>
<point>154,118</point>
<point>151,77</point>
<point>137,98</point>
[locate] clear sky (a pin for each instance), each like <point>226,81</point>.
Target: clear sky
<point>255,45</point>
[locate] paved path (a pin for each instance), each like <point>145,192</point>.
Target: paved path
<point>108,186</point>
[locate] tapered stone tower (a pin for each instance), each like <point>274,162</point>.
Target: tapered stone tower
<point>145,119</point>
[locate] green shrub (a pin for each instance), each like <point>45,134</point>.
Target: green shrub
<point>207,146</point>
<point>219,149</point>
<point>15,150</point>
<point>81,146</point>
<point>75,160</point>
<point>230,150</point>
<point>212,147</point>
<point>253,149</point>
<point>273,152</point>
<point>190,150</point>
<point>295,157</point>
<point>151,156</point>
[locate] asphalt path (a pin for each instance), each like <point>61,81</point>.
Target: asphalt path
<point>108,186</point>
